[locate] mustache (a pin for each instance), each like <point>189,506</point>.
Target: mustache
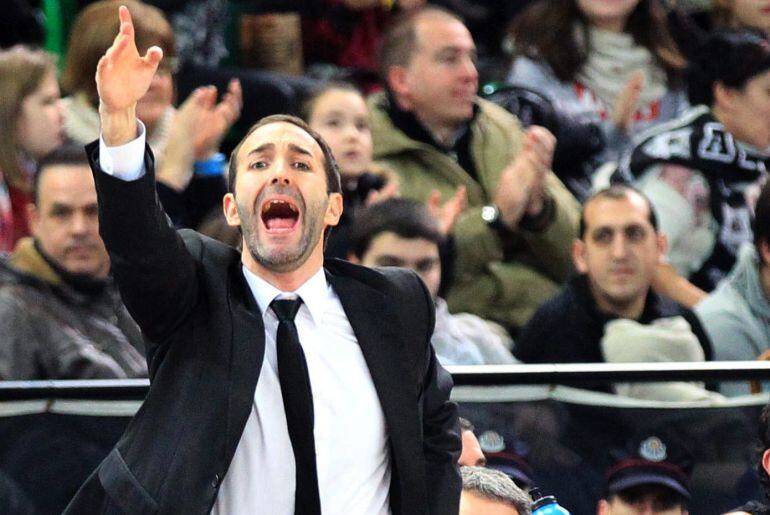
<point>88,243</point>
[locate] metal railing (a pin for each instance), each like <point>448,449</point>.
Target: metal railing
<point>486,375</point>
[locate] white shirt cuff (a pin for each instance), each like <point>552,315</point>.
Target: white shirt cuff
<point>125,162</point>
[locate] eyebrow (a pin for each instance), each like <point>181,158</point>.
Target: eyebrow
<point>271,146</point>
<point>300,150</point>
<point>261,148</point>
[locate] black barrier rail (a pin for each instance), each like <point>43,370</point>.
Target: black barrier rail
<point>476,375</point>
<point>494,375</point>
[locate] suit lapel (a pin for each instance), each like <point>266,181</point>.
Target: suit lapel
<point>247,353</point>
<point>374,323</point>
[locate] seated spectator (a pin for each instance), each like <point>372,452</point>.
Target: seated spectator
<point>61,316</point>
<point>653,478</point>
<point>400,232</point>
<point>735,314</point>
<point>185,142</point>
<point>31,122</point>
<point>432,129</point>
<point>608,312</point>
<point>703,170</point>
<point>615,64</point>
<point>337,111</point>
<point>471,455</point>
<point>490,492</point>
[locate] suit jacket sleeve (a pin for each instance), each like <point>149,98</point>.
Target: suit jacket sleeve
<point>441,430</point>
<point>151,265</point>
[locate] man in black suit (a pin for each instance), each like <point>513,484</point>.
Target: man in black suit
<point>223,430</point>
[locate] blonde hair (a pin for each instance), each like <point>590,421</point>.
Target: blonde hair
<point>22,70</point>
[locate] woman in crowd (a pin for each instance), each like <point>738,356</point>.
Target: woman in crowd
<point>184,141</point>
<point>31,121</point>
<point>614,63</point>
<point>703,171</point>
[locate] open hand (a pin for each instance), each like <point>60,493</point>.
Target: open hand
<point>122,78</point>
<point>122,75</point>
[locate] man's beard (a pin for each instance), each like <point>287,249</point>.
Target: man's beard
<point>285,259</point>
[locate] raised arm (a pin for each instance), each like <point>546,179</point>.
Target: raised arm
<point>151,264</point>
<point>122,78</point>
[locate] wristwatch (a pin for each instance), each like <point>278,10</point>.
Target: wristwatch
<point>491,215</point>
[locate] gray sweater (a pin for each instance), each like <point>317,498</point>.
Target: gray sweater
<point>736,316</point>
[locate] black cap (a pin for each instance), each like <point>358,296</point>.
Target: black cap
<point>650,461</point>
<point>509,456</point>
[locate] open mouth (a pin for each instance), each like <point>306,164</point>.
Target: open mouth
<point>279,215</point>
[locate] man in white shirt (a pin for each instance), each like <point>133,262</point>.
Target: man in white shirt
<point>220,430</point>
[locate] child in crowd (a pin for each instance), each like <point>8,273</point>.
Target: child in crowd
<point>338,112</point>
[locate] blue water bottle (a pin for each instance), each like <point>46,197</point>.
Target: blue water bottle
<point>545,504</point>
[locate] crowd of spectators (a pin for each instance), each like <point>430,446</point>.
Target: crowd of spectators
<point>661,255</point>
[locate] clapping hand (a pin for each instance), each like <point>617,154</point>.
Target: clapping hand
<point>521,190</point>
<point>212,120</point>
<point>447,213</point>
<point>625,105</point>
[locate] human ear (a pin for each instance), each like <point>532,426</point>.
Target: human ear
<point>579,256</point>
<point>231,210</point>
<point>333,209</point>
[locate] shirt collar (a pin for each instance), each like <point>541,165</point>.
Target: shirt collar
<point>313,293</point>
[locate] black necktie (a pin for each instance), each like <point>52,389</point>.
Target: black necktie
<point>298,405</point>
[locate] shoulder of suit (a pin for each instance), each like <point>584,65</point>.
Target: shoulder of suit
<point>204,248</point>
<point>385,279</point>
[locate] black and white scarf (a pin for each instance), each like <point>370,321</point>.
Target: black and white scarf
<point>699,142</point>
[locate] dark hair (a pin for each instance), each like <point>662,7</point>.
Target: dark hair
<point>616,192</point>
<point>545,31</point>
<point>308,104</point>
<point>399,42</point>
<point>333,184</point>
<point>68,154</point>
<point>727,56</point>
<point>93,32</point>
<point>405,217</point>
<point>761,223</point>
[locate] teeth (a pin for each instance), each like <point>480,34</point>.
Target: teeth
<point>272,203</point>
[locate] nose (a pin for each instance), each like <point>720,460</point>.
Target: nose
<point>60,112</point>
<point>281,173</point>
<point>619,247</point>
<point>350,131</point>
<point>468,69</point>
<point>80,224</point>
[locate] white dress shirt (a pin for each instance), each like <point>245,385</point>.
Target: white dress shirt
<point>352,452</point>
